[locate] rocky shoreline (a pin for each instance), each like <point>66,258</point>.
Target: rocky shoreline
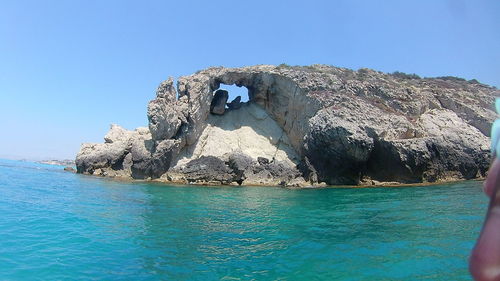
<point>304,126</point>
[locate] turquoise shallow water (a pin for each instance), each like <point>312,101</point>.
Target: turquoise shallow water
<point>56,225</point>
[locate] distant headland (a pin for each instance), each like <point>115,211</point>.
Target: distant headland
<point>65,162</point>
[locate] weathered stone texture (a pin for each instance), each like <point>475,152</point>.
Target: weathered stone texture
<point>340,126</point>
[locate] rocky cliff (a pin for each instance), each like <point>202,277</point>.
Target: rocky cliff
<point>304,126</point>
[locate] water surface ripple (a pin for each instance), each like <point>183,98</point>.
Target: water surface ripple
<point>56,225</point>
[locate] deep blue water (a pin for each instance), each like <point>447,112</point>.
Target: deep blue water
<point>56,225</point>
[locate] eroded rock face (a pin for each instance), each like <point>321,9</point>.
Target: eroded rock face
<point>116,157</point>
<point>313,124</point>
<point>239,168</point>
<point>206,169</point>
<point>165,113</point>
<point>337,148</point>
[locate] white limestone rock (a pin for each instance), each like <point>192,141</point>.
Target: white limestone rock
<point>335,125</point>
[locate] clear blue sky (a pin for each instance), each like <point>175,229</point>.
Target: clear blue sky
<point>70,68</point>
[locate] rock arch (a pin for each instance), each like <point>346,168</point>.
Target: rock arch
<point>344,126</point>
<point>281,97</point>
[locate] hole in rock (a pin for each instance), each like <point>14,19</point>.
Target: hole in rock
<point>239,126</point>
<point>235,91</point>
<point>228,98</point>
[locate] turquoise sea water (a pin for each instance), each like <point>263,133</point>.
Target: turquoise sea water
<point>61,226</point>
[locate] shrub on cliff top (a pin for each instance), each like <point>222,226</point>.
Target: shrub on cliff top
<point>283,65</point>
<point>451,78</point>
<point>402,75</point>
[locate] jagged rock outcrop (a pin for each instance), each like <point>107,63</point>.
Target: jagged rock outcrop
<point>218,104</point>
<point>238,168</point>
<point>122,150</point>
<point>315,124</point>
<point>235,104</point>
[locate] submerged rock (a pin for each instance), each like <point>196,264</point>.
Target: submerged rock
<point>304,125</point>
